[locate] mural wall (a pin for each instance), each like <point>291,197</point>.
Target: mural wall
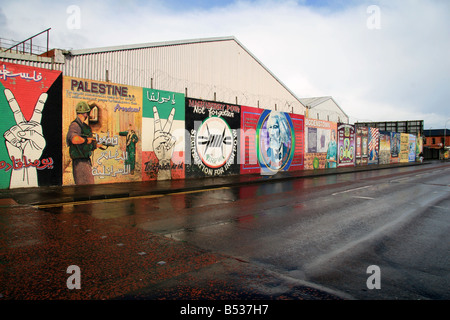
<point>346,144</point>
<point>213,138</point>
<point>63,130</point>
<point>163,135</point>
<point>419,146</point>
<point>395,147</point>
<point>374,139</point>
<point>110,148</point>
<point>362,146</point>
<point>412,148</point>
<point>271,141</point>
<point>404,147</point>
<point>385,148</point>
<point>30,107</point>
<point>320,144</point>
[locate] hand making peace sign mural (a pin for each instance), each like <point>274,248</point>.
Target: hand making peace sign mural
<point>30,105</point>
<point>163,135</point>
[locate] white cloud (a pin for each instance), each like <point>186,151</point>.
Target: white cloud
<point>398,72</point>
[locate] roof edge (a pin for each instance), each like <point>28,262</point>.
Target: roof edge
<point>315,101</point>
<point>268,70</point>
<point>324,98</point>
<point>149,45</point>
<point>182,42</point>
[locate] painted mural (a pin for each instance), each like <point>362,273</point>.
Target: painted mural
<point>411,148</point>
<point>102,132</point>
<point>395,147</point>
<point>419,146</point>
<point>248,140</point>
<point>346,144</point>
<point>30,104</point>
<point>213,138</point>
<point>404,147</point>
<point>374,140</point>
<point>362,146</point>
<point>320,144</point>
<point>271,141</point>
<point>385,148</point>
<point>163,135</point>
<point>62,131</point>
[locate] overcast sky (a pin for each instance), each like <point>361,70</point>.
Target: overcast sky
<point>386,60</point>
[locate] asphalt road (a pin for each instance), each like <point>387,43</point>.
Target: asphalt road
<point>309,238</point>
<point>328,231</point>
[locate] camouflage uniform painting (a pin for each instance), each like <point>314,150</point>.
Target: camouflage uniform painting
<point>80,153</point>
<point>131,141</point>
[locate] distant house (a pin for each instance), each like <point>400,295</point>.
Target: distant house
<point>435,140</point>
<point>412,126</point>
<point>324,108</point>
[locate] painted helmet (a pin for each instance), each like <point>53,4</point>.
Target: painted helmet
<point>82,107</point>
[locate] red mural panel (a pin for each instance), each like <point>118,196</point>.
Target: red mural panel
<point>30,105</point>
<point>271,141</point>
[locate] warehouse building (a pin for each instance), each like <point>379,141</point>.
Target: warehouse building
<point>168,110</point>
<point>436,143</point>
<point>217,69</point>
<point>324,108</point>
<point>414,127</point>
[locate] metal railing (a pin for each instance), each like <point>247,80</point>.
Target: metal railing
<point>26,46</point>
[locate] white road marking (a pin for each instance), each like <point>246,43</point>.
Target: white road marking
<point>360,197</point>
<point>351,190</point>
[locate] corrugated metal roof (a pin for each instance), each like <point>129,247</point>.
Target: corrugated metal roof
<point>313,102</point>
<point>149,45</point>
<point>316,101</point>
<point>94,62</point>
<point>177,43</point>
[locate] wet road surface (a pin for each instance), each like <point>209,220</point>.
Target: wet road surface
<point>310,238</point>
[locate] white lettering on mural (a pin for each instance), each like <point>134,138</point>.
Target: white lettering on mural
<point>110,171</point>
<point>214,109</point>
<point>213,171</point>
<point>230,160</point>
<point>5,74</point>
<point>199,110</point>
<point>159,99</point>
<point>102,170</point>
<point>107,140</point>
<point>317,123</point>
<point>107,156</point>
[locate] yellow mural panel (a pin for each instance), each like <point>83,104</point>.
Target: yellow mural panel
<point>111,132</point>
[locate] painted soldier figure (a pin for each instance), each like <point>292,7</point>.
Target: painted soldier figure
<point>131,140</point>
<point>81,145</point>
